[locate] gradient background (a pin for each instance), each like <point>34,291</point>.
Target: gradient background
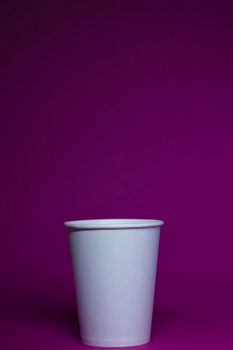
<point>117,109</point>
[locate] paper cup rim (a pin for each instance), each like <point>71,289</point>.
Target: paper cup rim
<point>94,224</point>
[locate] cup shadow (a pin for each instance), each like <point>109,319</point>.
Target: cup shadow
<point>164,319</point>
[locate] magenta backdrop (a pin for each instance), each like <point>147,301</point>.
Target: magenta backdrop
<point>117,109</point>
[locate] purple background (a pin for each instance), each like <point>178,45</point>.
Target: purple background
<point>117,109</point>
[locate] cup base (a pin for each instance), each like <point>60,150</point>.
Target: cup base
<point>111,343</point>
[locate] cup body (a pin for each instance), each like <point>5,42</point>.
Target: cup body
<point>114,271</point>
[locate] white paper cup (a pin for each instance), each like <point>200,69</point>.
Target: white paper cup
<point>114,263</point>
